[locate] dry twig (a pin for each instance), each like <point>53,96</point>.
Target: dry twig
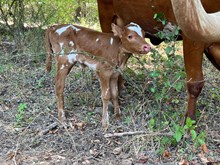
<point>137,133</point>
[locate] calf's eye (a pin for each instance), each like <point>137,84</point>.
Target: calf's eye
<point>130,37</point>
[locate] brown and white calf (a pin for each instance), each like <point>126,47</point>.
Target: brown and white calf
<point>105,54</point>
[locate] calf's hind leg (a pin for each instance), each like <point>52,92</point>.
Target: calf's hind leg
<point>63,69</point>
<point>114,94</point>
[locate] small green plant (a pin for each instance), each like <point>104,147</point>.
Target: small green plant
<point>21,112</point>
<point>128,120</point>
<point>189,126</point>
<point>41,82</point>
<point>152,123</point>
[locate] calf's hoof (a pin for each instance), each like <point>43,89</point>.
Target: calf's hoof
<point>118,116</point>
<point>61,115</point>
<point>105,126</point>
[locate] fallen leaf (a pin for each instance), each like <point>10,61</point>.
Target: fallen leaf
<point>80,125</point>
<point>93,152</point>
<point>203,158</point>
<point>10,155</point>
<point>143,159</point>
<point>204,148</point>
<point>86,162</point>
<point>117,150</point>
<point>166,154</point>
<point>183,162</point>
<point>97,141</point>
<point>126,162</point>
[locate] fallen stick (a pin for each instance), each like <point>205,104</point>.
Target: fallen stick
<point>137,133</point>
<point>50,127</point>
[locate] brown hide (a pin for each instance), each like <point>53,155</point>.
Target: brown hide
<point>142,12</point>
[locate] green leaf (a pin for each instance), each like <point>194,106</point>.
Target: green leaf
<point>152,89</point>
<point>152,123</point>
<point>178,135</point>
<point>189,122</point>
<point>185,127</point>
<point>193,134</point>
<point>168,50</point>
<point>154,74</point>
<point>201,142</point>
<point>155,15</point>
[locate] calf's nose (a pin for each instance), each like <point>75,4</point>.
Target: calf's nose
<point>146,47</point>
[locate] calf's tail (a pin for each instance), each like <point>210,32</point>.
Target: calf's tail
<point>49,51</point>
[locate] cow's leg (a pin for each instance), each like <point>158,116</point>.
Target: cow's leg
<point>104,78</point>
<point>193,55</point>
<point>114,94</point>
<point>63,69</point>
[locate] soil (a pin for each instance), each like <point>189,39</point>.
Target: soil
<point>31,134</point>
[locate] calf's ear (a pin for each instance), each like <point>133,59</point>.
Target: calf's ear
<point>116,30</point>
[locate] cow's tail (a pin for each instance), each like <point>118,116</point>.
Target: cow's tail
<point>49,51</point>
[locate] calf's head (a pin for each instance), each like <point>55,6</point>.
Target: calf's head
<point>132,38</point>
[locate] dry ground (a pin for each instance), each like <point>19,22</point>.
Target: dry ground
<point>33,135</point>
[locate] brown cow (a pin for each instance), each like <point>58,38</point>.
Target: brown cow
<point>142,12</point>
<point>106,54</point>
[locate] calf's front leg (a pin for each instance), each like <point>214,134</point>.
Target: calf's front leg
<point>104,78</point>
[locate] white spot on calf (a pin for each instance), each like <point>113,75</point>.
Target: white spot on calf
<point>62,67</point>
<point>119,111</point>
<point>72,57</point>
<point>63,29</point>
<point>107,91</point>
<point>97,40</point>
<point>111,41</point>
<point>63,114</point>
<point>61,48</point>
<point>107,118</point>
<point>91,66</point>
<point>71,43</point>
<point>135,27</point>
<point>61,45</point>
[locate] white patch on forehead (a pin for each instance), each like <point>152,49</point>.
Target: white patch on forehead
<point>97,40</point>
<point>91,66</point>
<point>62,67</point>
<point>63,29</point>
<point>72,57</point>
<point>135,27</point>
<point>111,41</point>
<point>71,43</point>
